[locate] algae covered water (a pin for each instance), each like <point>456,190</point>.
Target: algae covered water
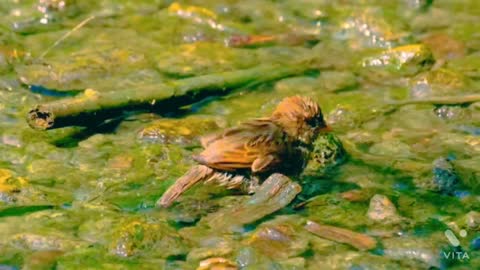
<point>395,186</point>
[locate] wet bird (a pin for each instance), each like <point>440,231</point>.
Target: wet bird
<point>240,157</point>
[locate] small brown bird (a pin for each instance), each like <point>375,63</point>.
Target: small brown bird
<point>238,157</point>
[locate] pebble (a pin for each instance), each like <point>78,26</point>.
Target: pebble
<point>445,178</point>
<point>473,220</point>
<point>382,209</point>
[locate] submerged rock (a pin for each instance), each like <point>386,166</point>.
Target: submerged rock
<point>445,178</point>
<point>442,177</point>
<point>138,237</point>
<point>279,239</point>
<point>426,251</point>
<point>357,240</point>
<point>444,46</point>
<point>383,210</point>
<point>36,242</point>
<point>211,247</point>
<point>438,82</point>
<point>42,260</point>
<point>473,220</point>
<point>217,263</point>
<point>354,260</point>
<point>399,61</point>
<point>368,27</point>
<point>274,194</point>
<point>190,211</point>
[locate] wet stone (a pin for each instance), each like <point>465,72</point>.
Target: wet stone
<point>278,240</point>
<point>444,46</point>
<point>190,211</point>
<point>357,195</point>
<point>38,242</point>
<point>445,177</point>
<point>276,192</point>
<point>211,247</point>
<point>42,260</point>
<point>140,237</point>
<point>438,82</point>
<point>382,210</point>
<point>217,263</point>
<point>473,220</point>
<point>423,250</point>
<point>451,113</point>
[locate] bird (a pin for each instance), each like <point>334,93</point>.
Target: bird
<point>240,157</point>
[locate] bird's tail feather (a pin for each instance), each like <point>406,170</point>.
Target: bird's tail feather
<point>195,175</point>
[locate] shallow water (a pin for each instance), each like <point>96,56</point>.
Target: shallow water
<point>84,198</point>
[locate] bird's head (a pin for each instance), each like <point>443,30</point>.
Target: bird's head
<point>300,117</point>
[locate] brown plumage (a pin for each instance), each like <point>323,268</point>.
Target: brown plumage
<point>239,156</point>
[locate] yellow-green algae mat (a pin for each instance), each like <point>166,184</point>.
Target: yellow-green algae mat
<point>397,80</point>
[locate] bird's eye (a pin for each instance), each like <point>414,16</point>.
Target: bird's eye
<point>313,122</point>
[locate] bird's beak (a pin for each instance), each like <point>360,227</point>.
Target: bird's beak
<point>325,129</point>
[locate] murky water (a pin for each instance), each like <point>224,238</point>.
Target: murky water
<point>382,71</point>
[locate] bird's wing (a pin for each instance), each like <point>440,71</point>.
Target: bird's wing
<point>257,144</point>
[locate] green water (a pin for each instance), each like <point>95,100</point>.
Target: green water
<point>77,198</point>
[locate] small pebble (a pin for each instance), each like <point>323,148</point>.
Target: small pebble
<point>382,209</point>
<point>444,176</point>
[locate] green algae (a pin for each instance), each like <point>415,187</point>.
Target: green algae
<point>84,198</point>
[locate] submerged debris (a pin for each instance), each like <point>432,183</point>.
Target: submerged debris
<point>357,240</point>
<point>91,106</point>
<point>274,194</point>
